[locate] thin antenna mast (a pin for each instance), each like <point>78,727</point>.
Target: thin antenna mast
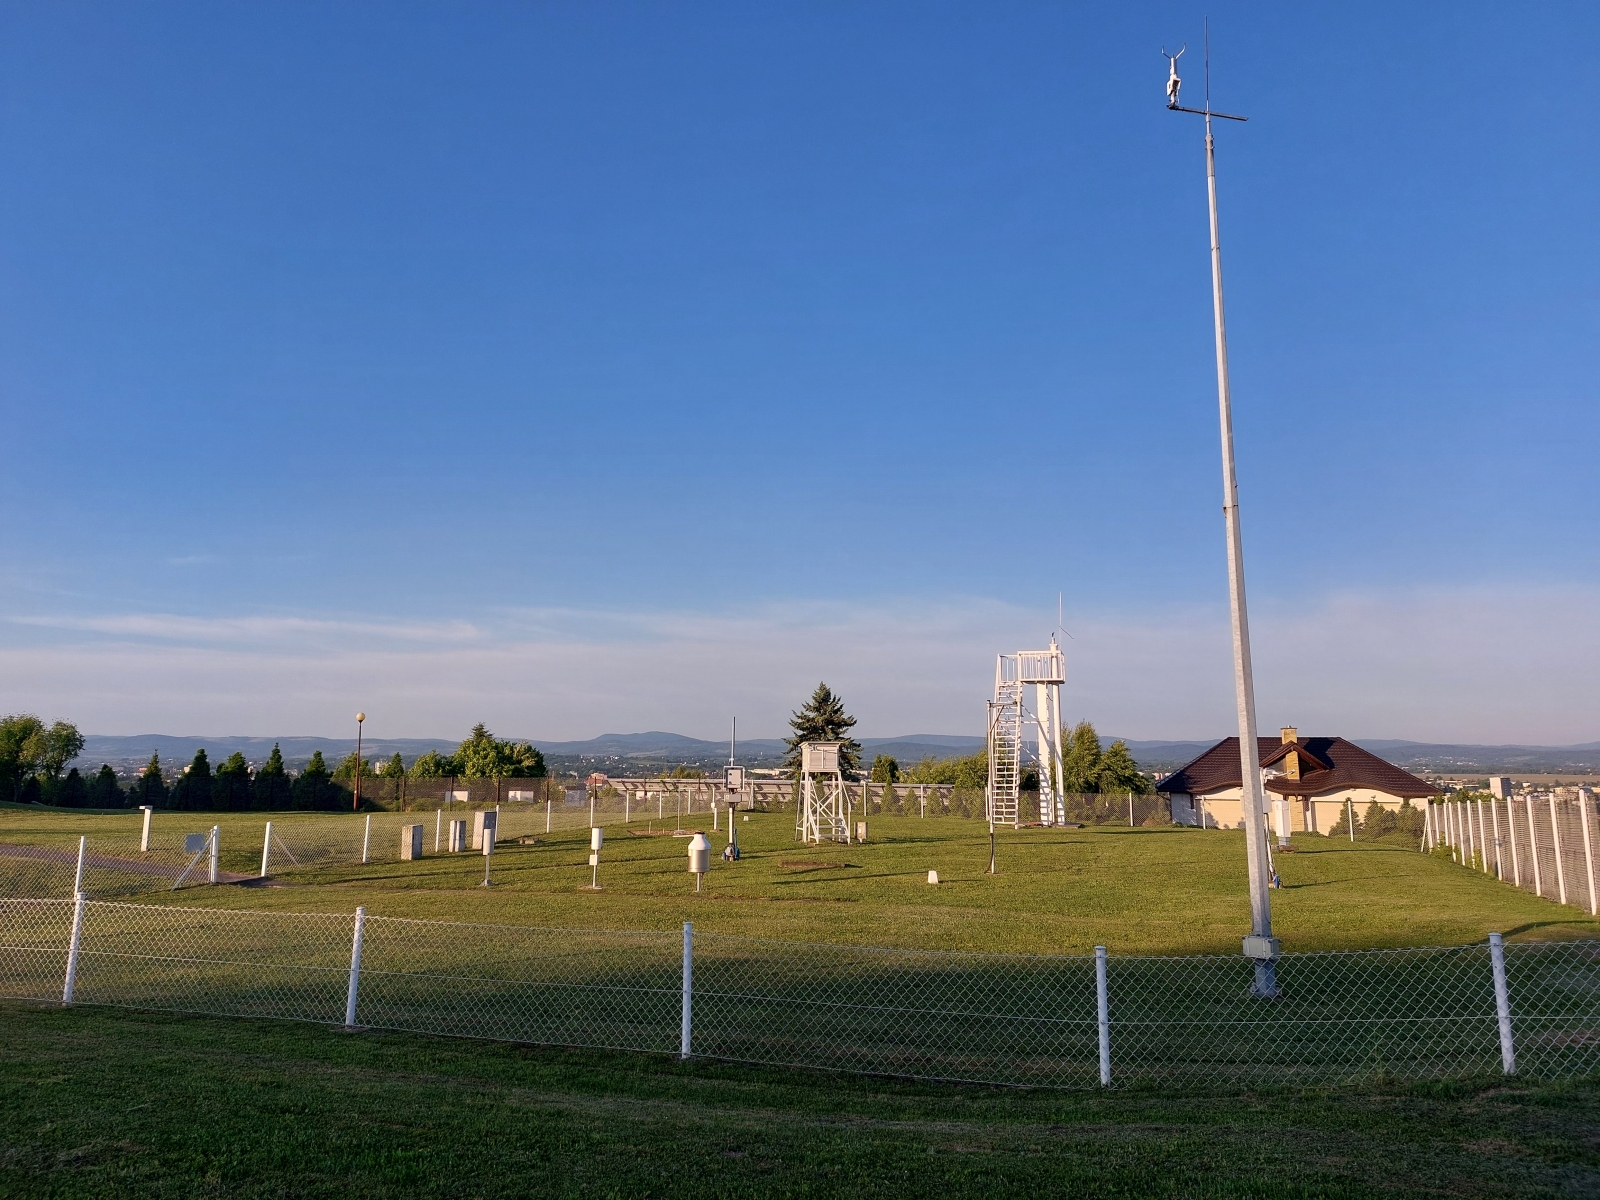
<point>733,742</point>
<point>1260,945</point>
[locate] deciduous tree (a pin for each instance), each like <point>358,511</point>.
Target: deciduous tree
<point>1119,773</point>
<point>1080,765</point>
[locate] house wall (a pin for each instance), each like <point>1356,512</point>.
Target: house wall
<point>1224,808</point>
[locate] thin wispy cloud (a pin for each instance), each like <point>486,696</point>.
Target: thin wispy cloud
<point>246,630</point>
<point>1481,665</point>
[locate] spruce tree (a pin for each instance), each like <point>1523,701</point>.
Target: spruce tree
<point>104,791</point>
<point>69,791</point>
<point>231,786</point>
<point>313,787</point>
<point>270,790</point>
<point>192,792</point>
<point>150,788</point>
<point>823,719</point>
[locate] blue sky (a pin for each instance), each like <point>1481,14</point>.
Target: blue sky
<point>604,367</point>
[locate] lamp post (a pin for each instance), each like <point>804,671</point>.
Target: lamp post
<point>360,719</point>
<point>1260,945</point>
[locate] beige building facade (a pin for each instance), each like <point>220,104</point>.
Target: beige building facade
<point>1321,778</point>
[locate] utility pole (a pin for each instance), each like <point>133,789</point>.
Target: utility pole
<point>360,720</point>
<point>1260,945</point>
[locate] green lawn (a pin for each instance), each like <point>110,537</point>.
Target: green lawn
<point>1136,891</point>
<point>118,1104</point>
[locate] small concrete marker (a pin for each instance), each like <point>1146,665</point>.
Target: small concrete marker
<point>933,877</point>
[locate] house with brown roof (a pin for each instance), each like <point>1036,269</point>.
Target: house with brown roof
<point>1318,776</point>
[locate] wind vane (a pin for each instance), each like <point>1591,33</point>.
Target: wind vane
<point>1174,83</point>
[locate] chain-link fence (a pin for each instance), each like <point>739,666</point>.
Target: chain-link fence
<point>1545,844</point>
<point>1049,1021</point>
<point>175,849</point>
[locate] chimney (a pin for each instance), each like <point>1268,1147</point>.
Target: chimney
<point>1289,734</point>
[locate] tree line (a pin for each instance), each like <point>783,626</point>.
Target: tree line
<point>33,755</point>
<point>1085,768</point>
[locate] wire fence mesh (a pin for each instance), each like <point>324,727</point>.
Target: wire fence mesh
<point>1545,844</point>
<point>1009,1019</point>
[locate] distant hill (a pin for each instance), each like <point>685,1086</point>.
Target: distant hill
<point>657,750</point>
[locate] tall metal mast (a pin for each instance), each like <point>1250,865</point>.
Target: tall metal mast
<point>1260,945</point>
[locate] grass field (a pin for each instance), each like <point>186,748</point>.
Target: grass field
<point>1154,891</point>
<point>101,1103</point>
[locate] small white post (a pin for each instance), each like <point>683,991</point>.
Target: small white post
<point>355,970</point>
<point>438,827</point>
<point>366,840</point>
<point>591,810</point>
<point>547,812</point>
<point>71,981</point>
<point>686,1027</point>
<point>1103,1013</point>
<point>1588,853</point>
<point>266,849</point>
<point>627,805</point>
<point>713,814</point>
<point>1511,831</point>
<point>144,838</point>
<point>1502,1004</point>
<point>1472,844</point>
<point>1130,810</point>
<point>77,879</point>
<point>216,833</point>
<point>1427,827</point>
<point>1555,837</point>
<point>1350,819</point>
<point>1533,848</point>
<point>1483,836</point>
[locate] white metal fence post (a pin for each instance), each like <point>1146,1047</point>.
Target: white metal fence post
<point>77,878</point>
<point>1511,832</point>
<point>366,840</point>
<point>69,985</point>
<point>686,1029</point>
<point>144,837</point>
<point>1555,840</point>
<point>1103,1014</point>
<point>438,827</point>
<point>1483,838</point>
<point>355,969</point>
<point>1533,849</point>
<point>547,812</point>
<point>1494,815</point>
<point>216,834</point>
<point>266,849</point>
<point>1588,854</point>
<point>1502,1004</point>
